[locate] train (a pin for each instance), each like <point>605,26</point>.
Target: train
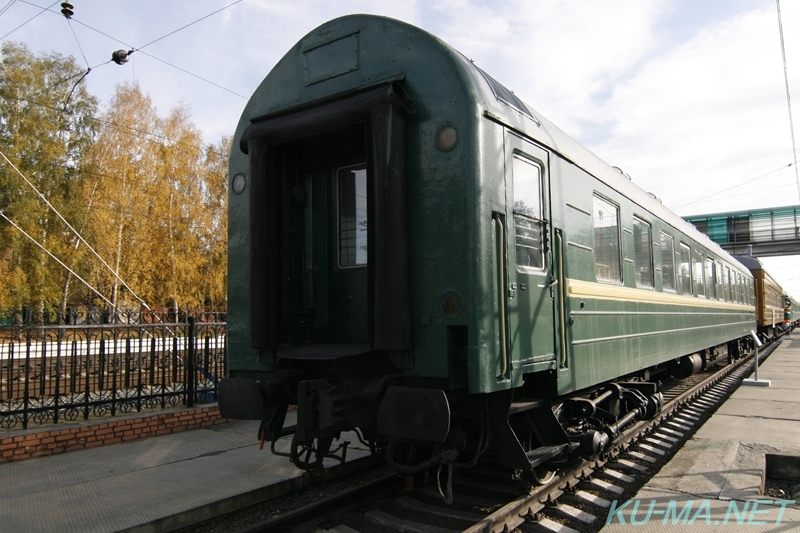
<point>419,256</point>
<point>789,318</point>
<point>774,307</point>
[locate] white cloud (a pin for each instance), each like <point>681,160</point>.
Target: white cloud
<point>557,56</point>
<point>688,97</point>
<point>707,114</point>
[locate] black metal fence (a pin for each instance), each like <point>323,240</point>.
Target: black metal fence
<point>54,373</point>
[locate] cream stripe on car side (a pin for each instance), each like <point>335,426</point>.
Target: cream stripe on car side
<point>602,291</point>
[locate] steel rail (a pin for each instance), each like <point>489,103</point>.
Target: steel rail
<point>526,507</point>
<point>313,513</point>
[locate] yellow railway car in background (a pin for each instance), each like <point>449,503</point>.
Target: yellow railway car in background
<point>770,303</point>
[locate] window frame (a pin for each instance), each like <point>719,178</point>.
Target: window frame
<point>711,278</point>
<point>643,223</point>
<point>597,197</point>
<point>338,208</point>
<point>727,284</point>
<point>739,292</point>
<point>671,255</point>
<point>542,222</point>
<point>698,274</point>
<point>682,246</point>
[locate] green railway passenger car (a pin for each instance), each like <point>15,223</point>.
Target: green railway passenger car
<point>788,311</point>
<point>417,254</point>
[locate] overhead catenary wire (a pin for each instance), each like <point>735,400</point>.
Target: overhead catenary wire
<point>788,98</point>
<point>116,126</point>
<point>129,129</point>
<point>138,49</point>
<point>43,9</point>
<point>59,261</point>
<point>81,74</point>
<point>194,75</point>
<point>79,43</point>
<point>67,12</point>
<point>56,84</point>
<point>6,7</point>
<point>74,86</point>
<point>77,234</point>
<point>89,68</point>
<point>735,186</point>
<point>760,190</point>
<point>190,24</point>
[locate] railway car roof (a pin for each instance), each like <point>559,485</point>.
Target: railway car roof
<point>753,264</point>
<point>394,42</point>
<point>536,126</point>
<point>750,263</point>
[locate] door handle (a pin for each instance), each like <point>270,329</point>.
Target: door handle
<point>501,282</point>
<point>550,285</point>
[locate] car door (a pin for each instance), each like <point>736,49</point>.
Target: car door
<point>531,289</point>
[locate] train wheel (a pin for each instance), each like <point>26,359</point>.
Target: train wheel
<point>301,454</point>
<point>542,474</point>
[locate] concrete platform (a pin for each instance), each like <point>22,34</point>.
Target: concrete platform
<point>719,469</point>
<point>150,485</point>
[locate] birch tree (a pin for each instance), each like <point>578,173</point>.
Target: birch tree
<point>125,158</point>
<point>46,127</point>
<point>145,192</point>
<point>161,204</point>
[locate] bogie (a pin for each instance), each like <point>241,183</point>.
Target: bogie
<point>419,256</point>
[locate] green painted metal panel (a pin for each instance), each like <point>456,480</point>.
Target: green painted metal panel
<point>332,59</point>
<point>610,339</point>
<point>363,51</point>
<point>452,198</point>
<point>530,288</point>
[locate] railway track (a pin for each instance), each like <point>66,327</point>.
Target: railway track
<point>487,501</point>
<point>580,499</point>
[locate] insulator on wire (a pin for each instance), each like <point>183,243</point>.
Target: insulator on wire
<point>120,57</point>
<point>67,9</point>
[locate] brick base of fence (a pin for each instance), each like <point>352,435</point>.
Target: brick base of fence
<point>34,443</point>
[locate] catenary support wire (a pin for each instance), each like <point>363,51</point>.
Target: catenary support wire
<point>733,186</point>
<point>6,7</point>
<point>82,240</point>
<point>59,261</point>
<point>30,19</point>
<point>788,99</point>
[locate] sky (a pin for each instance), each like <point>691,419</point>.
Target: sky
<point>688,97</point>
